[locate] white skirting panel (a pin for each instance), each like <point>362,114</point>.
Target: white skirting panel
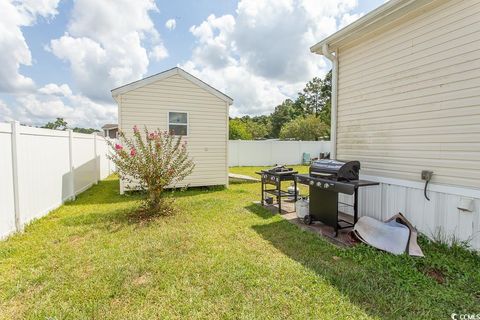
<point>438,219</point>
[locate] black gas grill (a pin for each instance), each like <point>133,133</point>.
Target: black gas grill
<point>326,179</point>
<point>274,177</point>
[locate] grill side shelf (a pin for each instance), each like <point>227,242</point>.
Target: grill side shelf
<point>279,193</point>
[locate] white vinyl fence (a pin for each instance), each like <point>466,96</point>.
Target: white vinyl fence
<point>271,152</point>
<point>42,168</point>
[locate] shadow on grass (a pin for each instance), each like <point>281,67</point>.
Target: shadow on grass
<point>102,220</point>
<point>108,192</point>
<point>259,211</point>
<point>105,192</point>
<point>102,205</point>
<point>232,181</point>
<point>383,285</point>
<point>113,220</point>
<point>194,191</point>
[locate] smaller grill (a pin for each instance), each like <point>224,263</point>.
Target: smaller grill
<point>335,169</point>
<point>274,176</point>
<point>279,169</point>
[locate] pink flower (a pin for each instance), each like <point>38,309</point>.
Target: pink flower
<point>133,152</point>
<point>135,129</point>
<point>118,147</point>
<point>153,136</point>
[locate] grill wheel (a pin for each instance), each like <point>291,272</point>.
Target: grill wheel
<point>307,219</point>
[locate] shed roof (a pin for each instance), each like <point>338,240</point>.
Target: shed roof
<point>168,73</point>
<point>386,13</point>
<point>110,126</point>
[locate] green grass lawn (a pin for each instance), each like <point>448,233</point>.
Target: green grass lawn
<point>221,256</point>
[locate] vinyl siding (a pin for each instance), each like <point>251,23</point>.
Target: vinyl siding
<point>409,97</point>
<point>207,123</point>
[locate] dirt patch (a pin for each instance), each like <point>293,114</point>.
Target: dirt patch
<point>143,217</point>
<point>435,274</point>
<point>85,271</point>
<point>76,240</point>
<point>141,280</point>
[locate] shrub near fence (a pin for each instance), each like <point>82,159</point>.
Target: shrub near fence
<point>42,168</point>
<point>270,152</point>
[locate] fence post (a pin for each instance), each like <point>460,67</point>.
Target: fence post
<point>300,151</point>
<point>238,152</point>
<point>106,155</point>
<point>271,153</point>
<point>95,154</point>
<point>70,159</point>
<point>16,189</point>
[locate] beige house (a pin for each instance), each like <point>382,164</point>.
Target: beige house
<point>178,102</point>
<point>406,98</point>
<point>110,130</point>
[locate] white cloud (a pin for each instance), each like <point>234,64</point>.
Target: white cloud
<point>171,24</point>
<point>348,18</point>
<point>261,55</point>
<point>158,52</point>
<point>37,106</point>
<point>13,47</point>
<point>106,44</point>
<point>5,112</point>
<point>54,101</point>
<point>54,89</point>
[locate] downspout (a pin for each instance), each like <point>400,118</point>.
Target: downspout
<point>333,130</point>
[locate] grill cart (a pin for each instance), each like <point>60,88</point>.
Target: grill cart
<point>274,177</point>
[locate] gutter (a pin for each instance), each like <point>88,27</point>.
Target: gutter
<point>333,117</point>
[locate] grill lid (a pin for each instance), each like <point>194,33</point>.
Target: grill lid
<point>336,169</point>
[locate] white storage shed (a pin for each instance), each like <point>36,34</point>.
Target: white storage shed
<point>178,102</point>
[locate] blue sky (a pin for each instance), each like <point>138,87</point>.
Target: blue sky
<point>63,57</point>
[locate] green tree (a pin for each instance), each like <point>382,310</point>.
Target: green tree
<point>256,129</point>
<point>312,96</point>
<point>283,113</point>
<point>238,130</point>
<point>316,97</point>
<point>262,126</point>
<point>85,130</point>
<point>309,128</point>
<point>327,87</point>
<point>326,93</point>
<point>58,124</point>
<point>300,108</point>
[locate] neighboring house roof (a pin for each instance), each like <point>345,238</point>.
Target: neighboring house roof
<point>168,73</point>
<point>386,13</point>
<point>110,126</point>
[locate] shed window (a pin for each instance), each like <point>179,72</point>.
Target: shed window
<point>178,123</point>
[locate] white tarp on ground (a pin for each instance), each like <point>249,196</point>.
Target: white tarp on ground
<point>396,235</point>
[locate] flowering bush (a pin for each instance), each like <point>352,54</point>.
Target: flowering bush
<point>154,160</point>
